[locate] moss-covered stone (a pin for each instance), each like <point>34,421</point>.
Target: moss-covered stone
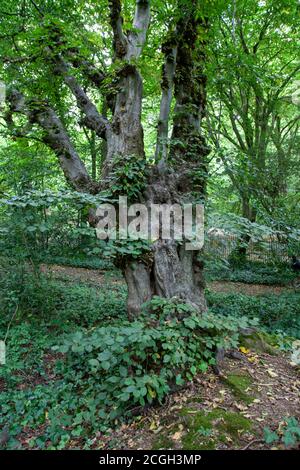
<point>239,385</point>
<point>259,341</point>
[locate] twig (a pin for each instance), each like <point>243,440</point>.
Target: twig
<point>37,7</point>
<point>255,441</point>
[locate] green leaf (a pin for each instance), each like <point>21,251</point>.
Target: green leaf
<point>94,363</point>
<point>270,436</point>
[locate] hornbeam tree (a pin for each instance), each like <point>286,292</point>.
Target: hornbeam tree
<point>252,118</point>
<point>176,174</point>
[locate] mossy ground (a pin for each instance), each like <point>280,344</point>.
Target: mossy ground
<point>240,385</point>
<point>163,442</point>
<point>205,429</point>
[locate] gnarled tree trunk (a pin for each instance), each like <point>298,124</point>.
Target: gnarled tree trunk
<point>179,173</point>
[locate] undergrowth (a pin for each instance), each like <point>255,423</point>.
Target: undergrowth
<point>76,366</point>
<point>251,273</point>
<point>277,313</point>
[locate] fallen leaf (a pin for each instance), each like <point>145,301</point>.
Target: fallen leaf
<point>272,373</point>
<point>252,359</point>
<point>244,350</point>
<point>240,407</point>
<point>177,436</point>
<point>153,425</point>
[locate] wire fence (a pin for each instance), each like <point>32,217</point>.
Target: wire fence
<point>265,250</point>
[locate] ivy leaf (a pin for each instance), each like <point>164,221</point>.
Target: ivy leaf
<point>94,363</point>
<point>289,439</point>
<point>270,436</point>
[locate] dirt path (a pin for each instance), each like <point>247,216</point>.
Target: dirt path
<point>90,276</point>
<point>248,289</point>
<point>97,277</point>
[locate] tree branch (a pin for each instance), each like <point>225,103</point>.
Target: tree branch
<point>137,37</point>
<point>55,136</point>
<point>116,21</point>
<point>242,37</point>
<point>88,69</point>
<point>93,119</point>
<point>282,86</point>
<point>262,32</point>
<point>288,127</point>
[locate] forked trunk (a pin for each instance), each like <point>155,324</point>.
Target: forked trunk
<point>174,273</point>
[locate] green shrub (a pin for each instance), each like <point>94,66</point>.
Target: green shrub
<point>251,273</point>
<point>101,373</point>
<point>87,262</point>
<point>275,312</point>
<point>32,292</point>
<point>87,306</point>
<point>39,296</point>
<point>135,363</point>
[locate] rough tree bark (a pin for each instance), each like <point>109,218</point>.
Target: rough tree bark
<point>179,173</point>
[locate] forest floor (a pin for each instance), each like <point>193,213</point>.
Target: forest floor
<point>98,277</point>
<point>226,411</point>
<point>229,410</point>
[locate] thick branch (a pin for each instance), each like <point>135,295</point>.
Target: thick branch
<point>55,136</point>
<point>126,136</point>
<point>188,147</point>
<point>137,37</point>
<point>116,20</point>
<point>93,119</point>
<point>88,69</point>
